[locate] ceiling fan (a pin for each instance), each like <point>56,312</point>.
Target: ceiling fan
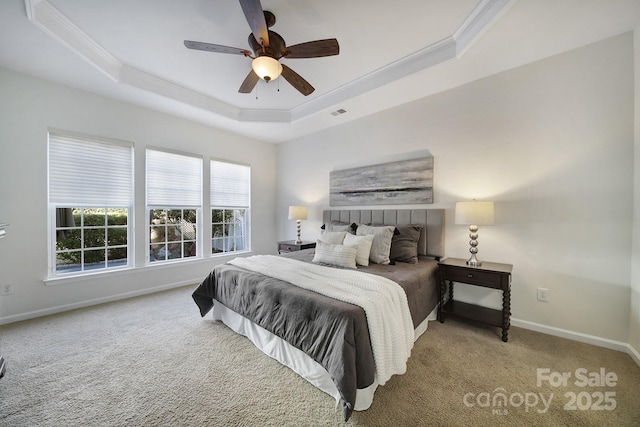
<point>268,47</point>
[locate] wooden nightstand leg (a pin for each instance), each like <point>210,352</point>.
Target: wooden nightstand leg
<point>506,313</point>
<point>443,289</point>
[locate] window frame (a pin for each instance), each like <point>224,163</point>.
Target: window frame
<point>83,228</point>
<point>164,205</point>
<point>175,227</point>
<point>226,225</point>
<point>229,207</point>
<point>56,136</point>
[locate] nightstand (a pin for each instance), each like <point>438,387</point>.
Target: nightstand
<point>488,275</point>
<point>292,246</point>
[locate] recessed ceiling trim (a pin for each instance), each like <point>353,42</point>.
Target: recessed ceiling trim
<point>478,21</point>
<point>483,16</point>
<point>266,116</point>
<point>53,22</point>
<point>434,54</point>
<point>44,15</point>
<point>151,83</point>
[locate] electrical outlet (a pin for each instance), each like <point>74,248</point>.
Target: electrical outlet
<point>543,294</point>
<point>7,289</point>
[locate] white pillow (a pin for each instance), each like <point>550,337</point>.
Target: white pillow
<point>339,255</point>
<point>333,237</point>
<point>364,246</point>
<point>381,241</point>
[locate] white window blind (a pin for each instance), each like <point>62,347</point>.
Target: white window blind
<point>86,172</point>
<point>173,179</point>
<point>230,184</point>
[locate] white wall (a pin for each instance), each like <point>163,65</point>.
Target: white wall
<point>28,107</point>
<point>551,143</point>
<point>634,320</point>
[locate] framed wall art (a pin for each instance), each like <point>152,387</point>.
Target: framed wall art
<point>395,183</point>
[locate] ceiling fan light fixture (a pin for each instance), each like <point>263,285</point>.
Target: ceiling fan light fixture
<point>268,47</point>
<point>266,67</point>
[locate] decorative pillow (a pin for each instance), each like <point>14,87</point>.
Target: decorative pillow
<point>404,245</point>
<point>333,237</point>
<point>339,255</point>
<point>364,247</point>
<point>381,246</point>
<point>339,226</point>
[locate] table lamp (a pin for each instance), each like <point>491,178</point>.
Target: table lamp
<point>298,213</point>
<point>473,214</point>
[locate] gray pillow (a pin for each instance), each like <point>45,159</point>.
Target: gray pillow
<point>381,246</point>
<point>339,226</point>
<point>404,245</point>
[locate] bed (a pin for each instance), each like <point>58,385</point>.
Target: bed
<point>319,327</point>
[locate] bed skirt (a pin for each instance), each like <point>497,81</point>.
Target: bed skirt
<point>296,359</point>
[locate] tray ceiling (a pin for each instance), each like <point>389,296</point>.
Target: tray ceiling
<point>390,53</point>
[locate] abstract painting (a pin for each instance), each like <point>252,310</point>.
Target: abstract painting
<point>395,183</point>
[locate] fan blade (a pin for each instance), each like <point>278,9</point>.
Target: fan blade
<point>215,48</point>
<point>314,49</point>
<point>249,82</point>
<point>255,17</point>
<point>296,81</point>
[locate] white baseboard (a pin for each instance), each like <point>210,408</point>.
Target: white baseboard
<point>580,337</point>
<point>67,307</point>
<point>635,355</point>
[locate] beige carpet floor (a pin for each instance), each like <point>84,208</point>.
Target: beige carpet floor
<point>152,361</point>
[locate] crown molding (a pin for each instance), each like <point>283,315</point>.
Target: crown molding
<point>44,15</point>
<point>151,83</point>
<point>49,19</point>
<point>429,56</point>
<point>483,16</point>
<point>477,23</point>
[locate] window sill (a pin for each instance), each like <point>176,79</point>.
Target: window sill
<point>229,254</point>
<point>75,278</point>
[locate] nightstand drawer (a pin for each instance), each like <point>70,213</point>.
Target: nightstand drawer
<point>292,246</point>
<point>487,279</point>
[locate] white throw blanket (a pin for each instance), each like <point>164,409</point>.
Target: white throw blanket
<point>384,303</point>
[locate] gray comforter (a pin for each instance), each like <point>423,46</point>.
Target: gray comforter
<point>333,333</point>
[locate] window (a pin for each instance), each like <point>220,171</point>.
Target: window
<point>230,199</point>
<point>90,201</point>
<point>174,205</point>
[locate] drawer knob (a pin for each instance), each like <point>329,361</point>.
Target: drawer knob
<point>469,275</point>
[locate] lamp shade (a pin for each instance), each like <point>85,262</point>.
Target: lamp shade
<point>297,212</point>
<point>266,67</point>
<point>475,213</point>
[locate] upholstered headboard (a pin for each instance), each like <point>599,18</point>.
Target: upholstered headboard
<point>431,241</point>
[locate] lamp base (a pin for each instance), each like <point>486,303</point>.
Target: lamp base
<point>473,235</point>
<point>298,240</point>
<point>473,261</point>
